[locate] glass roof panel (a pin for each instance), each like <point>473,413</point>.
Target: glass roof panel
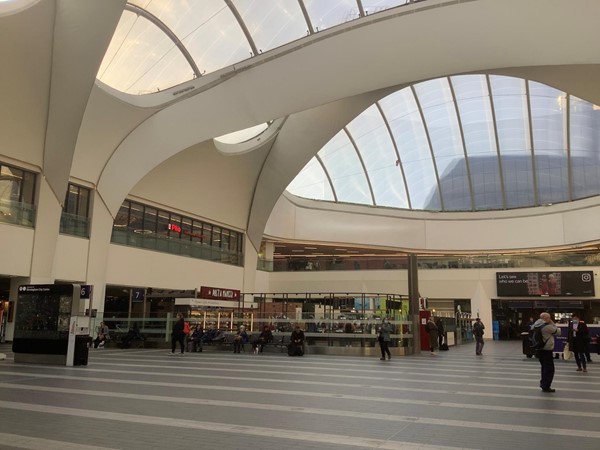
<point>141,59</point>
<point>312,182</point>
<point>327,14</point>
<point>347,175</point>
<point>373,6</point>
<point>548,118</point>
<point>475,112</point>
<point>514,135</point>
<point>272,24</point>
<point>585,148</point>
<point>237,137</point>
<point>404,119</point>
<point>208,29</point>
<point>512,125</point>
<point>439,112</point>
<point>375,145</point>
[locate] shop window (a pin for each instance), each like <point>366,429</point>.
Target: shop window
<point>143,226</point>
<point>17,188</point>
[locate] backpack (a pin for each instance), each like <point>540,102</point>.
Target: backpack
<point>537,339</point>
<point>186,328</point>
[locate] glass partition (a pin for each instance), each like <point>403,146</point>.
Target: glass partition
<point>328,320</point>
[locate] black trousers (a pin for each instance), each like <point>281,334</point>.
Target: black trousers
<point>546,358</point>
<point>385,350</point>
<point>178,338</point>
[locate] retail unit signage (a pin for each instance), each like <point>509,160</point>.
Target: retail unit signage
<point>214,293</point>
<point>545,284</point>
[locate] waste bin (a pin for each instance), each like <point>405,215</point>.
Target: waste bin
<point>80,357</point>
<point>527,350</point>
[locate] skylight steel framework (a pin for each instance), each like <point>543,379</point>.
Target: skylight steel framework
<point>213,34</point>
<point>483,143</point>
<point>495,152</point>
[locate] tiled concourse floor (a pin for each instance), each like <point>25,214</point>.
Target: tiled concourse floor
<point>146,399</point>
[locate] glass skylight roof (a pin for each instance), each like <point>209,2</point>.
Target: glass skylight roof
<point>162,43</point>
<point>462,143</point>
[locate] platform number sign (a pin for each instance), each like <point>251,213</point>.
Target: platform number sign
<point>86,291</point>
<point>138,294</point>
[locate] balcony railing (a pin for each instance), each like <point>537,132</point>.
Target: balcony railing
<point>17,213</point>
<point>175,246</point>
<point>75,225</point>
<point>302,264</point>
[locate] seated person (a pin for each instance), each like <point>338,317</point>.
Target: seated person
<point>102,335</point>
<point>219,336</point>
<point>240,339</point>
<point>196,338</point>
<point>132,335</point>
<point>210,334</point>
<point>296,345</point>
<point>263,338</point>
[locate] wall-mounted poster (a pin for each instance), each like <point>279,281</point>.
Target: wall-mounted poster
<point>552,284</point>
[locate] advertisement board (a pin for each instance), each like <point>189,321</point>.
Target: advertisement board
<point>551,284</point>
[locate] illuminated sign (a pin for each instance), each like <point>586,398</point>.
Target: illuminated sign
<point>214,293</point>
<point>175,228</point>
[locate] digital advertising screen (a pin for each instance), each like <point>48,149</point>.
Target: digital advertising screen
<point>547,284</point>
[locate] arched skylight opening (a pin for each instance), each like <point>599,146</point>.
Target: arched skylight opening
<point>463,143</point>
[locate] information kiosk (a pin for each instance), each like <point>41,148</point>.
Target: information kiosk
<point>50,327</point>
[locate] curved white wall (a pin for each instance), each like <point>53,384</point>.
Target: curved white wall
<point>552,226</point>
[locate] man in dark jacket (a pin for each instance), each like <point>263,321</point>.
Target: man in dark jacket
<point>441,332</point>
<point>578,341</point>
<point>478,328</point>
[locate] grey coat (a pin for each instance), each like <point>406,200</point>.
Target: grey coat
<point>548,333</point>
<point>385,330</point>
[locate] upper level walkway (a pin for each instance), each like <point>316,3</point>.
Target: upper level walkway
<point>145,399</point>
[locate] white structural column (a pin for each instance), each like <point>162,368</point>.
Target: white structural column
<point>46,233</point>
<point>250,272</point>
<point>98,253</point>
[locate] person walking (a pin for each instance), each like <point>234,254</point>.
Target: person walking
<point>578,339</point>
<point>177,335</point>
<point>384,339</point>
<point>432,330</point>
<point>478,328</point>
<point>548,330</point>
<point>441,332</point>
